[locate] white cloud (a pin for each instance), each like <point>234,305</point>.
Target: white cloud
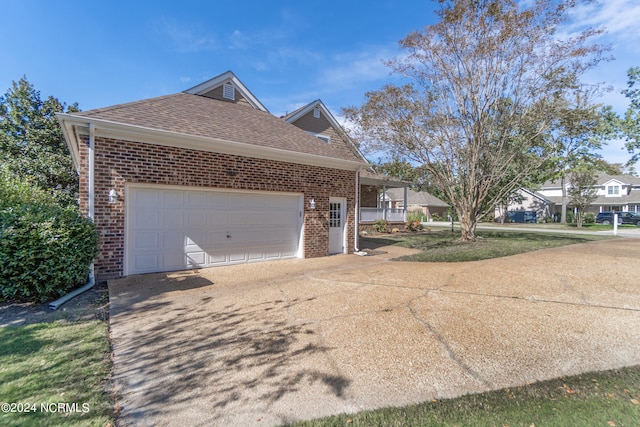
<point>356,69</point>
<point>186,38</point>
<point>618,17</point>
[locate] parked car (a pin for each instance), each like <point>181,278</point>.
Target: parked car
<point>606,218</point>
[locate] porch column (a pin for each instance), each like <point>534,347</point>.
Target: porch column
<point>404,214</point>
<point>384,202</point>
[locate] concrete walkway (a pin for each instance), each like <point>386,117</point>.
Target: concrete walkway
<point>270,343</point>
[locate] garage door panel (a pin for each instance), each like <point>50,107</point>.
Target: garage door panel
<point>173,199</point>
<point>173,229</point>
<point>146,263</point>
<point>146,241</point>
<point>146,219</point>
<point>173,218</point>
<point>196,218</point>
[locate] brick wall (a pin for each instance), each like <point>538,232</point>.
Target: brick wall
<point>119,162</point>
<point>369,196</point>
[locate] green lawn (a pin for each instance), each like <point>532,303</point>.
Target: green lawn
<point>442,246</point>
<point>609,398</point>
<point>55,374</point>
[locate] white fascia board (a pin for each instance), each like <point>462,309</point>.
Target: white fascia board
<point>108,129</point>
<point>70,138</point>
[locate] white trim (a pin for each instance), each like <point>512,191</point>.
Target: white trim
<point>108,129</point>
<point>343,223</point>
<point>92,196</point>
<point>320,136</point>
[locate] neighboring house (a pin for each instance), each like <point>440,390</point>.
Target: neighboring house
<point>415,201</point>
<point>316,119</point>
<point>614,193</point>
<point>535,205</point>
<point>209,177</point>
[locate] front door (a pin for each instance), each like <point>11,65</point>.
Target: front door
<point>337,224</point>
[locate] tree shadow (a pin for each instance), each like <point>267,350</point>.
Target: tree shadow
<point>242,354</point>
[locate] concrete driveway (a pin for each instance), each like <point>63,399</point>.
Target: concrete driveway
<point>270,343</point>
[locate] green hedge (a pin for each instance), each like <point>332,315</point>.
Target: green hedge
<point>45,249</point>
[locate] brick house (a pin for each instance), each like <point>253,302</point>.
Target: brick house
<point>209,177</point>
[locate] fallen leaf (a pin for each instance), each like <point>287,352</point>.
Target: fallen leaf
<point>611,423</point>
<point>635,402</point>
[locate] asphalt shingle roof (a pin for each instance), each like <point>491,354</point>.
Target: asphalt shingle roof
<point>197,115</point>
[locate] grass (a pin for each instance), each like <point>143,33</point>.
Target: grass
<point>46,364</point>
<point>608,398</point>
<point>442,246</point>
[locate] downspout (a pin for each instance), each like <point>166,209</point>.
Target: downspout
<point>356,240</point>
<point>57,303</point>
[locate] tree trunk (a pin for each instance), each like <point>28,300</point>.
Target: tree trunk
<point>468,227</point>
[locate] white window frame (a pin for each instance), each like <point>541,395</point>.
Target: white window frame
<point>325,138</point>
<point>613,191</point>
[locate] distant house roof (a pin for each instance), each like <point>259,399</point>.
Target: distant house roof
<point>602,179</point>
<point>421,198</point>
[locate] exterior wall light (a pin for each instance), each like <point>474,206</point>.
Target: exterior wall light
<point>113,196</point>
<point>312,203</point>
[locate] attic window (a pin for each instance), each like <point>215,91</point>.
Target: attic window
<point>316,113</point>
<point>228,91</point>
<point>613,190</point>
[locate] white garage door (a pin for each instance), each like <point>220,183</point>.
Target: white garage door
<point>175,229</point>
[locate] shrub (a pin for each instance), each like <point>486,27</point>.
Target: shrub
<point>589,218</point>
<point>45,249</point>
<point>381,226</point>
<point>436,216</point>
<point>413,221</point>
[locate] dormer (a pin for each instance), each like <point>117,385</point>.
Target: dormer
<point>614,188</point>
<point>227,87</point>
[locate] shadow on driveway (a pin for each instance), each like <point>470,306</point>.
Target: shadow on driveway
<point>210,358</point>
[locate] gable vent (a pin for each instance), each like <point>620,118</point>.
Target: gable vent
<point>316,113</point>
<point>228,91</point>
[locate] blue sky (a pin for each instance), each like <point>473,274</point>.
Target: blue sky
<point>288,53</point>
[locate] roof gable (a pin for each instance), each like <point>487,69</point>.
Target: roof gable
<point>613,181</point>
<point>315,118</point>
<point>215,88</point>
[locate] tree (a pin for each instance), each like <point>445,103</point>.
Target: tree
<point>629,126</point>
<point>577,133</point>
<point>582,191</point>
<point>487,81</point>
<point>32,146</point>
<point>418,176</point>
